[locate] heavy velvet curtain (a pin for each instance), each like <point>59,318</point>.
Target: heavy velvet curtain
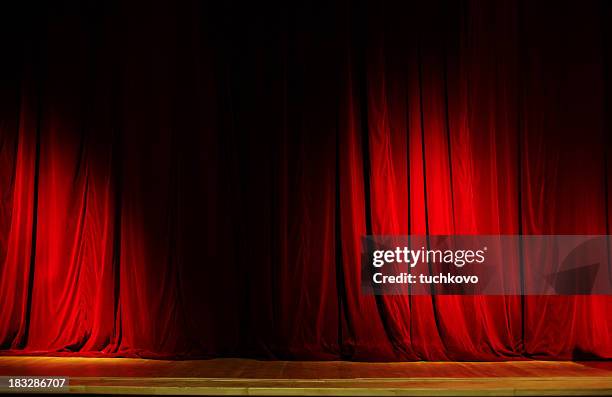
<point>192,179</point>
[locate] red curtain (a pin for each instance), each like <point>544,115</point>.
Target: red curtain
<point>194,179</point>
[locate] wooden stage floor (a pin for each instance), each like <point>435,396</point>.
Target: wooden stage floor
<point>251,377</point>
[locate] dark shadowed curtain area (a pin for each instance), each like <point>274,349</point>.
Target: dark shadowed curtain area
<point>193,178</point>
